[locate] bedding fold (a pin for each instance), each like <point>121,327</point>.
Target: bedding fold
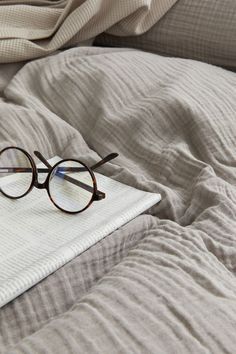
<point>32,29</point>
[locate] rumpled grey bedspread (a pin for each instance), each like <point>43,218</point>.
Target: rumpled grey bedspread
<point>165,282</point>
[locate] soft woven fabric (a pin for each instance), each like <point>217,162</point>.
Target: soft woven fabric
<point>34,28</point>
<point>164,283</point>
<point>201,30</point>
<point>51,239</point>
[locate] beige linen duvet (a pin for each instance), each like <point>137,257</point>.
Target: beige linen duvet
<point>35,28</point>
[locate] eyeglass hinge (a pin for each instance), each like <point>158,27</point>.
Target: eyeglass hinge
<point>100,196</point>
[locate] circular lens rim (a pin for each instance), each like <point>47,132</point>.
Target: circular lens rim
<point>33,171</point>
<point>94,186</point>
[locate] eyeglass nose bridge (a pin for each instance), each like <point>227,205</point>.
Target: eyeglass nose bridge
<point>40,185</point>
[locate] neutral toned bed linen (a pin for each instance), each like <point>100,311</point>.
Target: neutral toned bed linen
<point>170,288</point>
<point>201,30</point>
<point>34,28</point>
<point>59,292</point>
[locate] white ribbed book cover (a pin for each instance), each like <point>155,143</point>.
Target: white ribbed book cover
<point>36,238</point>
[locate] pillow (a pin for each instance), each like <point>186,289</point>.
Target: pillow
<point>197,29</point>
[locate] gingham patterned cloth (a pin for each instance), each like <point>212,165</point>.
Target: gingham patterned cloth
<point>201,30</point>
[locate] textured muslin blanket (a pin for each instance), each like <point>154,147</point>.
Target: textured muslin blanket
<point>165,282</point>
<point>34,28</point>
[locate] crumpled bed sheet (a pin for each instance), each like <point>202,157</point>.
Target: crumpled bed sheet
<point>165,282</point>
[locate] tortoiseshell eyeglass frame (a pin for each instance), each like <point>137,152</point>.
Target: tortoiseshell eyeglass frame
<point>96,194</point>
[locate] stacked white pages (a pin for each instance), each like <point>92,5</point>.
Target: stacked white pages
<point>36,238</point>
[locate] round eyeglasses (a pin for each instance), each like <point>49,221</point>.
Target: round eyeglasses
<point>71,184</point>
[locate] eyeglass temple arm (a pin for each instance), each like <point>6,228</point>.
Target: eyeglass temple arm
<point>42,159</point>
<point>100,195</point>
<point>105,160</point>
<point>94,167</point>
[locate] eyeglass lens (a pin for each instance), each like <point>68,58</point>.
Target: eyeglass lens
<point>71,186</point>
<point>15,165</point>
